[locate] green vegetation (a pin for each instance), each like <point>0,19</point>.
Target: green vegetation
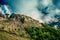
<point>22,20</point>
<point>8,36</point>
<point>46,33</point>
<point>7,15</point>
<point>20,27</point>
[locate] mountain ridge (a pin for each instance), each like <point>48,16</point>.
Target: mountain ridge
<point>25,28</point>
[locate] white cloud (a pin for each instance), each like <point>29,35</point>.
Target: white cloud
<point>57,10</point>
<point>46,2</point>
<point>6,9</point>
<point>28,7</point>
<point>0,10</point>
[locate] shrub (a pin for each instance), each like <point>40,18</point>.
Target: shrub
<point>22,20</point>
<point>46,33</point>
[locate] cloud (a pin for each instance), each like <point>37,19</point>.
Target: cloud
<point>1,11</point>
<point>42,10</point>
<point>56,3</point>
<point>4,9</point>
<point>50,12</point>
<point>25,7</point>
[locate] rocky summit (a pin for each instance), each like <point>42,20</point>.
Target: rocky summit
<point>21,27</point>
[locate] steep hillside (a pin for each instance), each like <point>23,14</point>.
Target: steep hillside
<point>8,36</point>
<point>46,33</point>
<point>20,27</point>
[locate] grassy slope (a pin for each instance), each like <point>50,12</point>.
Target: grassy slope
<point>16,25</point>
<point>45,33</point>
<point>7,36</point>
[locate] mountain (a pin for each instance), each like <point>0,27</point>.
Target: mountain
<point>21,27</point>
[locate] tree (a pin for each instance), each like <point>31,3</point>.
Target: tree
<point>46,33</point>
<point>22,20</point>
<point>7,15</point>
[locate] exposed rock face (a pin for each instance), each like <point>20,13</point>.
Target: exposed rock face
<point>21,27</point>
<point>16,23</point>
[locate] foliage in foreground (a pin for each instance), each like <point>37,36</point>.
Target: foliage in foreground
<point>8,36</point>
<point>46,33</point>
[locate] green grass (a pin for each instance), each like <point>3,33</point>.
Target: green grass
<point>7,36</point>
<point>13,29</point>
<point>46,33</point>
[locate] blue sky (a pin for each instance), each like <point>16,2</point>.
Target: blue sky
<point>42,10</point>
